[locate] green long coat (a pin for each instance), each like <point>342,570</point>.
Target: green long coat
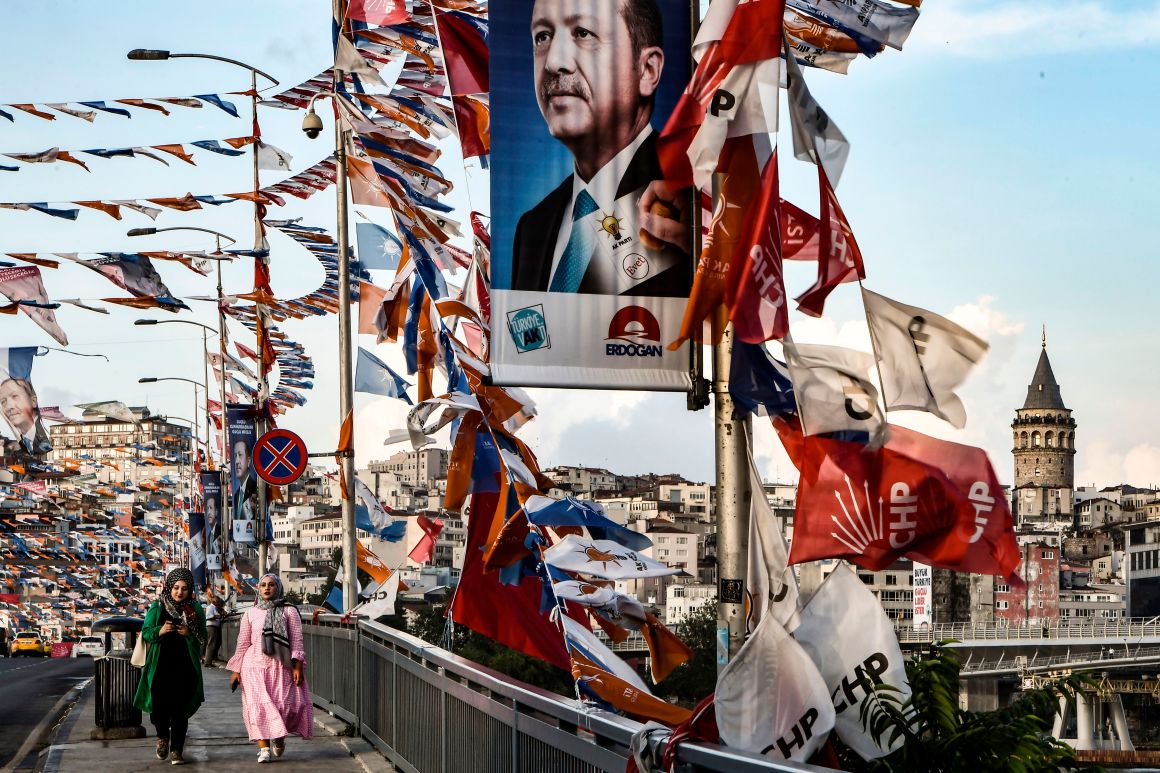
<point>150,630</point>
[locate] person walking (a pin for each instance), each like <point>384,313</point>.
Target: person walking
<point>214,611</point>
<point>268,663</point>
<point>170,689</point>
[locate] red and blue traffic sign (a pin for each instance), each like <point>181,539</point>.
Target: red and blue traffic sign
<point>280,457</point>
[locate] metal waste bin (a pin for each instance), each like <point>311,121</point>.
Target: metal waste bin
<point>115,681</point>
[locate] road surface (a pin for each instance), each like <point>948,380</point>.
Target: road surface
<point>29,688</point>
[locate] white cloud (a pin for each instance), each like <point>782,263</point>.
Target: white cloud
<point>1102,464</point>
<point>1005,30</point>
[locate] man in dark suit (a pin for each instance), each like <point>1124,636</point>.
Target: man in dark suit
<point>21,408</point>
<point>612,227</point>
<point>246,487</point>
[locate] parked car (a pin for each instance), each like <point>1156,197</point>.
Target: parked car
<point>3,642</point>
<point>89,647</point>
<point>29,643</point>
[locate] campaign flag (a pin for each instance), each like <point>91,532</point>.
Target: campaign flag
<point>884,23</point>
<point>18,401</point>
<point>23,285</point>
<point>758,383</point>
<point>114,409</point>
<point>852,642</point>
<point>603,558</point>
<point>770,581</point>
<point>833,389</point>
<point>583,642</point>
<point>816,138</point>
<point>922,357</point>
<point>770,698</point>
<point>381,599</point>
<point>665,649</point>
<point>271,157</point>
<point>132,272</point>
<point>569,511</point>
<point>378,248</point>
<point>242,432</point>
<point>463,38</point>
<point>759,309</point>
<point>377,13</point>
<point>366,187</point>
<point>196,542</point>
<point>425,547</point>
<point>839,258</point>
<point>372,516</point>
<point>371,564</point>
<point>375,377</point>
<point>585,593</point>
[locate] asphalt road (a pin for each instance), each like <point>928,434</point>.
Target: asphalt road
<point>29,688</point>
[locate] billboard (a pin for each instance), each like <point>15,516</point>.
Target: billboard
<point>922,585</point>
<point>592,255</point>
<point>242,433</point>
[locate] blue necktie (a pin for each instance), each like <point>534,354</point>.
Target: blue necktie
<point>577,253</point>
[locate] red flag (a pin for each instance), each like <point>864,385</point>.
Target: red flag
<point>464,53</point>
<point>757,295</point>
<point>473,118</point>
<point>425,548</point>
<point>917,497</point>
<point>799,233</point>
<point>839,259</point>
<point>510,614</point>
<point>246,351</point>
<point>380,13</point>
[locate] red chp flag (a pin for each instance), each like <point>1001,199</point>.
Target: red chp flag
<point>425,547</point>
<point>916,497</point>
<point>757,299</point>
<point>839,259</point>
<point>377,13</point>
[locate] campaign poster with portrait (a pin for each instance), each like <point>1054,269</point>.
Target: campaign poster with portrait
<point>196,542</point>
<point>243,479</point>
<point>211,487</point>
<point>23,429</point>
<point>23,283</point>
<point>592,255</point>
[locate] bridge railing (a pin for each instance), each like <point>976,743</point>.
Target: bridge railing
<point>430,711</point>
<point>1117,657</point>
<point>1063,629</point>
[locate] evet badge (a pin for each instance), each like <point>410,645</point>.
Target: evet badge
<point>633,325</point>
<point>529,329</point>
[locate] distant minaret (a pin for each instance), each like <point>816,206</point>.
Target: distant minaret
<point>1044,447</point>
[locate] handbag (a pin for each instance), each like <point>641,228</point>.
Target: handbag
<point>140,651</point>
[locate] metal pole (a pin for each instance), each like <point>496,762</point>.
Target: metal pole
<point>733,505</point>
<point>225,512</point>
<point>345,379</point>
<point>263,382</point>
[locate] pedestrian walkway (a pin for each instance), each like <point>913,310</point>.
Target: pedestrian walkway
<point>217,741</point>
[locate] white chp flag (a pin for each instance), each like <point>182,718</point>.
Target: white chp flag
<point>922,357</point>
<point>771,699</point>
<point>270,157</point>
<point>381,598</point>
<point>816,138</point>
<point>832,389</point>
<point>603,558</point>
<point>773,588</point>
<point>852,642</point>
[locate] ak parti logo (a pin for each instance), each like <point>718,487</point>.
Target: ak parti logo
<point>634,326</point>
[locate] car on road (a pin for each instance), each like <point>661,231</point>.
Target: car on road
<point>89,647</point>
<point>29,643</point>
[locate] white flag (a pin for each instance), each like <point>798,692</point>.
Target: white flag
<point>773,588</point>
<point>922,357</point>
<point>832,389</point>
<point>881,22</point>
<point>377,516</point>
<point>603,558</point>
<point>852,642</point>
<point>114,409</point>
<point>381,598</point>
<point>771,699</point>
<point>816,138</point>
<point>270,157</point>
<point>348,59</point>
<point>586,643</point>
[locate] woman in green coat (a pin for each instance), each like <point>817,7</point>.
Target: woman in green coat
<point>170,690</point>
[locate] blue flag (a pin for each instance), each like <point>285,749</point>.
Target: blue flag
<point>373,376</point>
<point>378,247</point>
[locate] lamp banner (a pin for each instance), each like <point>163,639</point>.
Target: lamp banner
<point>243,480</point>
<point>211,487</point>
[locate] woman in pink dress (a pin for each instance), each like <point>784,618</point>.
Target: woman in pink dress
<point>268,664</point>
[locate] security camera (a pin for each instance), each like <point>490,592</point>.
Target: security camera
<point>312,124</point>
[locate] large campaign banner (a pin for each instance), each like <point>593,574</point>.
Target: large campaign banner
<point>211,487</point>
<point>22,430</point>
<point>196,541</point>
<point>592,255</point>
<point>243,478</point>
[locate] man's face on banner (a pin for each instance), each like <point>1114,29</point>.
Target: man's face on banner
<point>18,404</point>
<point>241,459</point>
<point>211,515</point>
<point>588,79</point>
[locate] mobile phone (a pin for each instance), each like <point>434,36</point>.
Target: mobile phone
<point>234,686</point>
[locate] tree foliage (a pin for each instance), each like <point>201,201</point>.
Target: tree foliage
<point>939,737</point>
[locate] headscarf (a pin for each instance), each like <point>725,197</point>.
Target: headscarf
<point>275,639</point>
<point>185,611</point>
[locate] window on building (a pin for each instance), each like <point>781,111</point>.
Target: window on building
<point>867,579</point>
<point>1002,589</point>
<point>891,579</point>
<point>1049,554</point>
<point>1001,605</point>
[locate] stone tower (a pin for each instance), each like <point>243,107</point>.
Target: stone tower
<point>1044,450</point>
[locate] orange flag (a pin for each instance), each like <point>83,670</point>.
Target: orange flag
<point>665,650</point>
<point>112,210</point>
<point>632,701</point>
<point>365,185</point>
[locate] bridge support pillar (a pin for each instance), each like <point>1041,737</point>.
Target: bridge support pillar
<point>1061,718</point>
<point>1083,721</point>
<point>1120,723</point>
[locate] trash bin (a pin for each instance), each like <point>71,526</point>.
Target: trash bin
<point>115,681</point>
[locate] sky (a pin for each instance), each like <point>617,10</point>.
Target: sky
<point>1002,172</point>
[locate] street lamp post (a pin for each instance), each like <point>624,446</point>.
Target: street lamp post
<point>311,124</point>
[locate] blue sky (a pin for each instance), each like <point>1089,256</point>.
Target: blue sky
<point>1002,170</point>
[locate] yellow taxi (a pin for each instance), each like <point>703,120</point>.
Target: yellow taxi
<point>29,643</point>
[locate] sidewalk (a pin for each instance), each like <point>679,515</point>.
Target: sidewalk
<point>217,741</point>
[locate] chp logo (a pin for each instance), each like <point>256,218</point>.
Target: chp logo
<point>529,329</point>
<point>634,325</point>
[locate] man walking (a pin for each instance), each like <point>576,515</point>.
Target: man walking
<point>213,624</point>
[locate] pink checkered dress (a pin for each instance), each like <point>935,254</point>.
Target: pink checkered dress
<point>272,706</point>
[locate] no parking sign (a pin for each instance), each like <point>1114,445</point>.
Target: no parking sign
<point>280,457</point>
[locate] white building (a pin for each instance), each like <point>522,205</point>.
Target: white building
<point>680,600</point>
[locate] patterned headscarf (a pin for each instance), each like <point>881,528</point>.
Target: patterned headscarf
<point>275,639</point>
<point>185,611</point>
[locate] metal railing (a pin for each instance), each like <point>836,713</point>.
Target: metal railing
<point>1119,628</point>
<point>1134,658</point>
<point>430,711</point>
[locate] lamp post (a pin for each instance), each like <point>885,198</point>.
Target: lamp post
<point>149,54</point>
<point>312,125</point>
<point>196,437</point>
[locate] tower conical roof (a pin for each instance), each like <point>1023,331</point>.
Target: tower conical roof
<point>1043,392</point>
